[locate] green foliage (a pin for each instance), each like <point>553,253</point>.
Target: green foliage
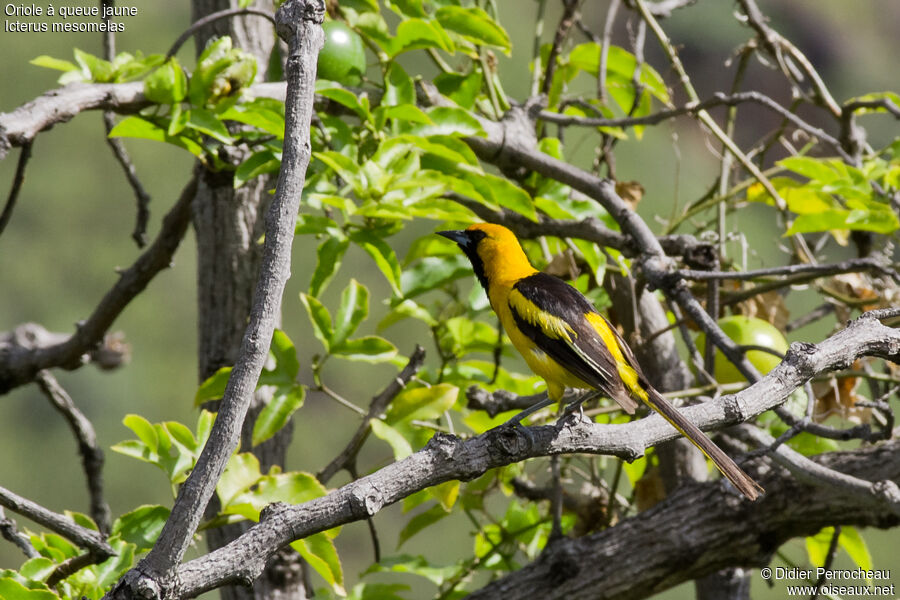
<point>385,173</point>
<point>836,197</point>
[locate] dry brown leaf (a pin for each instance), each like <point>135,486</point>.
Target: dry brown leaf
<point>649,489</point>
<point>769,307</point>
<point>838,397</point>
<point>563,265</point>
<point>631,192</point>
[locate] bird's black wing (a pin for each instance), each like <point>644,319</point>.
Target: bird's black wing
<point>553,315</point>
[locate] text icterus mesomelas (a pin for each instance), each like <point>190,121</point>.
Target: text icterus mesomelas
<point>566,341</point>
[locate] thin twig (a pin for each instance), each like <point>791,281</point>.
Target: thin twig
<point>604,49</point>
<point>695,107</point>
<point>86,538</point>
<point>566,21</point>
<point>91,454</point>
<point>18,180</point>
<point>212,18</point>
<point>829,560</point>
<point>20,365</point>
<point>139,234</point>
<point>11,533</point>
<point>376,408</point>
<point>885,493</point>
<point>854,265</point>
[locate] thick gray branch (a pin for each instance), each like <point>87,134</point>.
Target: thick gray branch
<point>447,458</point>
<point>697,531</point>
<point>299,23</point>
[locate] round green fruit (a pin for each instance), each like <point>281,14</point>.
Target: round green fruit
<point>343,58</point>
<point>747,331</point>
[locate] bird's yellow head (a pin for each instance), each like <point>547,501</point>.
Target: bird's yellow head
<point>494,252</point>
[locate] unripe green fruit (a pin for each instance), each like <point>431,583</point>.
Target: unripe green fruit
<point>343,58</point>
<point>747,331</point>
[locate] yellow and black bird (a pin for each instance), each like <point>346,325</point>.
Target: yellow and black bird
<point>566,341</point>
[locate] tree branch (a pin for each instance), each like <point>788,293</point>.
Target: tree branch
<point>703,532</point>
<point>298,23</point>
<point>19,364</point>
<point>377,407</point>
<point>86,538</point>
<point>91,454</point>
<point>448,458</point>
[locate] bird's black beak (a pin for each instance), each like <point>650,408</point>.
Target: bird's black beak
<point>460,237</point>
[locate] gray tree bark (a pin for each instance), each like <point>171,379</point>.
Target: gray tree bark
<point>228,225</point>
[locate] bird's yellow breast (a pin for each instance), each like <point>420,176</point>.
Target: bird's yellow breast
<point>557,377</point>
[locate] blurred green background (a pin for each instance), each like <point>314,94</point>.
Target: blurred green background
<point>71,231</point>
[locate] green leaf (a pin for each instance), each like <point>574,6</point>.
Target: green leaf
<point>414,565</point>
<point>137,127</point>
<point>403,112</point>
<point>405,310</point>
<point>37,569</point>
<point>408,8</point>
<point>214,387</point>
<point>49,62</point>
<point>353,310</point>
<point>182,435</point>
<point>93,67</point>
<point>370,348</point>
<point>345,167</point>
<point>205,121</point>
<point>398,87</point>
<point>143,429</point>
<point>178,118</point>
<point>817,546</point>
<point>167,84</point>
<point>328,261</point>
<point>448,120</point>
<point>855,546</point>
<point>141,526</point>
<point>393,437</point>
<point>111,570</point>
<point>241,473</point>
<point>320,319</point>
<point>816,170</point>
<point>320,553</point>
<point>13,590</point>
<point>413,34</point>
<point>475,25</point>
<point>258,163</point>
<point>433,272</point>
<point>277,412</point>
<point>421,403</point>
<point>334,91</point>
<point>285,354</point>
<point>462,89</point>
<point>421,522</point>
<point>502,192</point>
<point>262,113</point>
<point>445,493</point>
<point>383,255</point>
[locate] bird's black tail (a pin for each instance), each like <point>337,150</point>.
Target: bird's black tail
<point>743,482</point>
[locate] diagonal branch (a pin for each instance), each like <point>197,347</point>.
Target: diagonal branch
<point>86,538</point>
<point>448,458</point>
<point>696,532</point>
<point>20,364</point>
<point>91,454</point>
<point>379,404</point>
<point>298,23</point>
